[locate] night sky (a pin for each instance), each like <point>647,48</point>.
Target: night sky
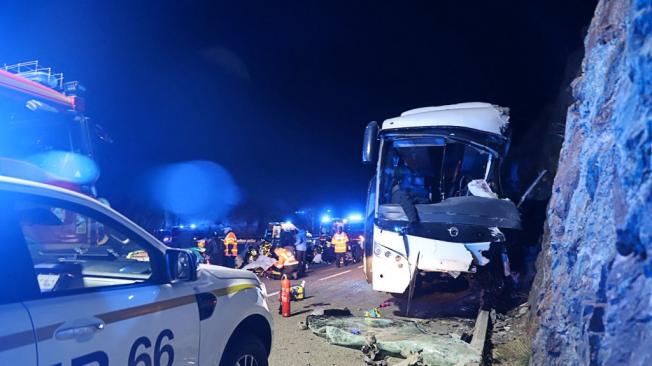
<point>279,93</point>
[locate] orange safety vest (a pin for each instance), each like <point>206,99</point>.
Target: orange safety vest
<point>285,258</point>
<point>339,242</point>
<point>230,239</point>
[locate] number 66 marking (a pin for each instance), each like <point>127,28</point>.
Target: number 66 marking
<point>144,359</point>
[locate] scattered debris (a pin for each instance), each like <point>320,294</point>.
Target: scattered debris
<point>372,313</point>
<point>303,326</point>
<point>385,304</point>
<point>480,188</point>
<point>371,352</point>
<point>511,344</point>
<point>378,338</point>
<point>412,359</point>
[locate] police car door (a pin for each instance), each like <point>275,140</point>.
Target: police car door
<point>103,300</point>
<point>17,343</point>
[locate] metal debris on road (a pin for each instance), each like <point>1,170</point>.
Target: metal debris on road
<point>371,352</point>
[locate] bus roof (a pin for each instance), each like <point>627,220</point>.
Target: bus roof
<point>476,115</point>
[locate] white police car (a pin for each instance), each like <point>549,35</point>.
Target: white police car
<point>82,285</point>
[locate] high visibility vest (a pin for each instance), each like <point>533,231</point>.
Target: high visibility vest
<point>339,242</point>
<point>285,258</point>
<point>230,240</point>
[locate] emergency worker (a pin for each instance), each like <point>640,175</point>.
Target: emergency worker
<point>230,248</point>
<point>340,243</point>
<point>286,263</point>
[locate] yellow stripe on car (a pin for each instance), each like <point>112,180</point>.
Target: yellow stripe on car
<point>233,289</point>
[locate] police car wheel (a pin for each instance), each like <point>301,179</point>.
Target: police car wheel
<point>247,360</point>
<point>250,352</point>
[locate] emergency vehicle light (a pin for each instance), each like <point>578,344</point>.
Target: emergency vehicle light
<point>355,217</point>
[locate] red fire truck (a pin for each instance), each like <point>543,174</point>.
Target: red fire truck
<point>44,133</point>
<point>46,137</point>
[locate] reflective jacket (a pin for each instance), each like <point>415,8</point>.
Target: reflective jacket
<point>339,242</point>
<point>232,241</point>
<point>285,258</point>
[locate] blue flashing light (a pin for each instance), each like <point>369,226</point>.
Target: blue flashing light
<point>181,226</point>
<point>289,222</point>
<point>193,226</point>
<point>67,166</point>
<point>325,219</point>
<point>355,217</point>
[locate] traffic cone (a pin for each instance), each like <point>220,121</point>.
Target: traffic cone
<point>285,296</point>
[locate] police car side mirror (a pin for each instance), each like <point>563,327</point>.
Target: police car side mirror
<point>182,265</point>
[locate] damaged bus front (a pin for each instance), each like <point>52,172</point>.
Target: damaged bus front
<point>434,208</point>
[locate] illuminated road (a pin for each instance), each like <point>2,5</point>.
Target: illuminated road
<point>329,287</point>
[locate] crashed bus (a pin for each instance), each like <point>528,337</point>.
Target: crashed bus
<point>434,208</point>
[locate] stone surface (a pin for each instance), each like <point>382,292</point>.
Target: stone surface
<point>592,297</point>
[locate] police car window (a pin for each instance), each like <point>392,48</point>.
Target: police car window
<point>70,250</point>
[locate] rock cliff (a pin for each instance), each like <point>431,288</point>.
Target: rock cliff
<point>592,297</point>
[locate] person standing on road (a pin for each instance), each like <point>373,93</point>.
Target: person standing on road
<point>230,248</point>
<point>214,252</point>
<point>340,242</point>
<point>301,246</point>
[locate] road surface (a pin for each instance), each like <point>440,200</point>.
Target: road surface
<point>329,287</point>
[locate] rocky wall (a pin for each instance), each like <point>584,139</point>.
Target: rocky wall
<point>592,297</point>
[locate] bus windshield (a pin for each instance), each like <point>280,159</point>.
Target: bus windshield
<point>430,169</point>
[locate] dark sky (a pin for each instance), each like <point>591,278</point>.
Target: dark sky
<point>261,86</point>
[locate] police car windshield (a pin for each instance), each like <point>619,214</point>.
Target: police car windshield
<point>57,236</point>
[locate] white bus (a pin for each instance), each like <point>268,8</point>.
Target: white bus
<point>434,209</point>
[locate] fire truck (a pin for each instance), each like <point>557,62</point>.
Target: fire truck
<point>46,137</point>
<point>44,133</point>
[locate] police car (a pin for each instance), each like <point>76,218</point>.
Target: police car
<point>82,285</point>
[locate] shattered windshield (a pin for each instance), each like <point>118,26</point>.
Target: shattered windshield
<point>430,169</point>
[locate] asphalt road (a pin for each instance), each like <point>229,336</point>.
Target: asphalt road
<point>329,287</point>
